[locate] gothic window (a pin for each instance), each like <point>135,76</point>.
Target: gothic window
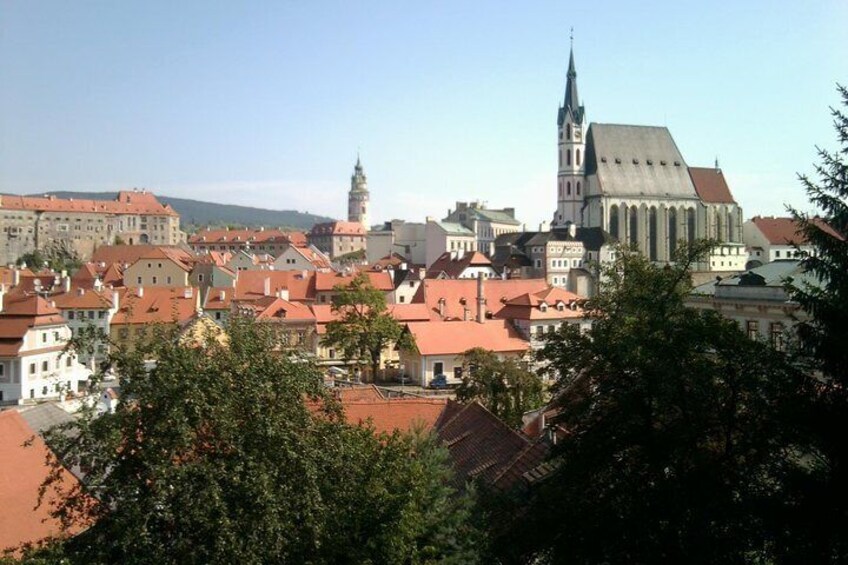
<point>653,248</point>
<point>719,226</point>
<point>613,219</point>
<point>672,231</point>
<point>690,225</point>
<point>578,182</point>
<point>568,157</point>
<point>568,132</point>
<point>577,158</point>
<point>633,221</point>
<point>568,188</point>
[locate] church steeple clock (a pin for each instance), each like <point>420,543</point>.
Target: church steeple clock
<point>571,181</point>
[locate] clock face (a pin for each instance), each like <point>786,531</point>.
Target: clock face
<point>577,134</point>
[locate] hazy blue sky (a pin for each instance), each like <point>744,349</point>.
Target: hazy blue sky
<point>266,103</point>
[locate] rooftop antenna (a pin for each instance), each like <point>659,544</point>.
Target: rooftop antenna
<point>716,163</point>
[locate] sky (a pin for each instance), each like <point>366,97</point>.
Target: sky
<point>267,103</point>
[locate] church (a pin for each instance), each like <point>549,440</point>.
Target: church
<point>633,183</point>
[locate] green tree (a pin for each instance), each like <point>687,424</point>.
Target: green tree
<point>671,438</point>
<point>365,328</point>
<point>818,501</point>
<point>504,386</point>
<point>232,454</point>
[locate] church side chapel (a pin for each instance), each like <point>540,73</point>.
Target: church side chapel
<point>633,183</point>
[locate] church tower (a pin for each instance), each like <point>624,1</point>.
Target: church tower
<point>571,180</point>
<point>357,198</point>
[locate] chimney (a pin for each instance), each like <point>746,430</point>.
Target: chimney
<point>266,288</point>
<point>188,292</point>
<point>80,292</point>
<point>442,308</point>
<point>115,300</point>
<point>16,275</point>
<point>404,266</point>
<point>98,284</point>
<point>66,283</point>
<point>283,293</point>
<point>2,295</point>
<point>572,230</point>
<point>466,313</point>
<point>222,295</point>
<point>481,300</point>
<point>140,292</point>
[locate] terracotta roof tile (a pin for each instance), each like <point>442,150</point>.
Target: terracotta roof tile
<point>783,231</point>
<point>459,294</point>
<point>452,265</point>
<point>454,338</point>
<point>250,285</point>
<point>388,415</point>
<point>126,203</point>
<point>325,282</point>
<point>711,185</point>
<point>21,474</point>
<point>155,305</point>
<point>338,228</point>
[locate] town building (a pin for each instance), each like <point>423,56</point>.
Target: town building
<point>308,258</point>
<point>337,239</point>
<point>773,239</point>
<point>758,299</point>
<point>141,309</point>
<point>259,240</point>
<point>358,205</point>
<point>407,239</point>
<point>84,308</point>
<point>160,266</point>
<point>537,314</point>
<point>461,265</point>
<point>30,223</point>
<point>440,237</point>
<point>632,182</point>
<point>486,223</point>
<point>33,362</point>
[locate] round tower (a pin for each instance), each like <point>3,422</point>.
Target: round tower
<point>357,199</point>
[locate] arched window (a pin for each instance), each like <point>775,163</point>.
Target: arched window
<point>719,226</point>
<point>731,228</point>
<point>560,189</point>
<point>613,219</point>
<point>568,132</point>
<point>577,157</point>
<point>633,221</point>
<point>653,248</point>
<point>568,188</point>
<point>568,157</point>
<point>690,225</point>
<point>672,231</point>
<point>578,186</point>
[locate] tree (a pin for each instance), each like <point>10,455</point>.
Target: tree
<point>504,386</point>
<point>671,431</point>
<point>818,504</point>
<point>55,256</point>
<point>233,454</point>
<point>364,328</point>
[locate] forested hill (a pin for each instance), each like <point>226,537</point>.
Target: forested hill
<point>198,213</point>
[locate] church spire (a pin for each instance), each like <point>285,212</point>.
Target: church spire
<point>571,105</point>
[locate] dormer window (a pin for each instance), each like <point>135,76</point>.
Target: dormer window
<point>543,307</point>
<point>560,305</point>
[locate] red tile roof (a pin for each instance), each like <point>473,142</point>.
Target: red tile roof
<point>129,254</point>
<point>22,471</point>
<point>455,338</point>
<point>126,203</point>
<point>452,265</point>
<point>459,294</point>
<point>254,236</point>
<point>156,305</point>
<point>784,231</point>
<point>338,228</point>
<point>279,309</point>
<point>543,305</point>
<point>81,297</point>
<point>711,185</point>
<point>390,414</point>
<point>250,285</point>
<point>318,259</point>
<point>218,298</point>
<point>325,282</point>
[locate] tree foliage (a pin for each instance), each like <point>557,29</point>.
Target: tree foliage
<point>505,386</point>
<point>818,503</point>
<point>232,454</point>
<point>672,446</point>
<point>364,328</point>
<point>56,257</point>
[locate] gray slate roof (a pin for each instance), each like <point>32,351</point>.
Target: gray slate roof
<point>453,228</point>
<point>773,274</point>
<point>640,161</point>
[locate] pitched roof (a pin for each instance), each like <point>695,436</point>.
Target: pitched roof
<point>252,235</point>
<point>784,231</point>
<point>711,185</point>
<point>543,305</point>
<point>279,309</point>
<point>250,285</point>
<point>636,161</point>
<point>126,202</point>
<point>129,254</point>
<point>453,263</point>
<point>481,446</point>
<point>338,228</point>
<point>22,312</point>
<point>459,294</point>
<point>21,474</point>
<point>390,414</point>
<point>81,297</point>
<point>314,256</point>
<point>156,305</point>
<point>455,338</point>
<point>325,282</point>
<point>453,228</point>
<point>218,298</point>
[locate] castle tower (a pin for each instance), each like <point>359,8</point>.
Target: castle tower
<point>357,198</point>
<point>571,179</point>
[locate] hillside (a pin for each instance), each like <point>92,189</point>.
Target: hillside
<point>198,213</point>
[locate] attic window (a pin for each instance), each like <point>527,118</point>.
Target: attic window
<point>543,307</point>
<point>662,163</point>
<point>635,161</point>
<point>617,161</point>
<point>650,162</point>
<point>677,163</point>
<point>603,159</point>
<point>560,306</point>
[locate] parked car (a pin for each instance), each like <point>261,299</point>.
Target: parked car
<point>439,381</point>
